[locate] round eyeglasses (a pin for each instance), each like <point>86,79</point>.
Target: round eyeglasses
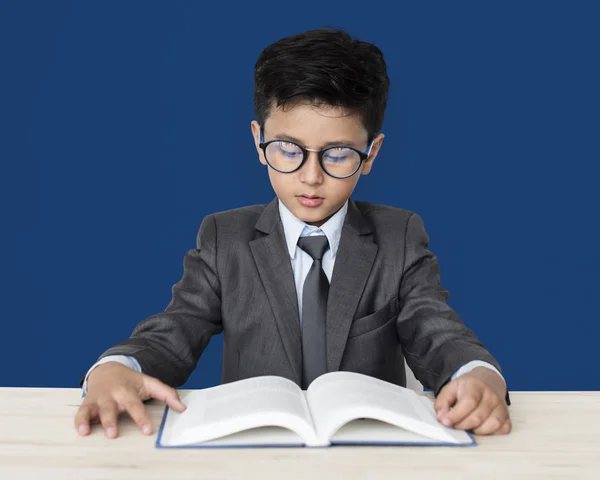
<point>286,156</point>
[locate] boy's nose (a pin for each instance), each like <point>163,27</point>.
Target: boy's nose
<point>311,172</point>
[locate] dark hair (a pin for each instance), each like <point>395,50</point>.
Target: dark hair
<point>324,66</point>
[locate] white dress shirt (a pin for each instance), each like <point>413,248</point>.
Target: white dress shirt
<point>294,228</point>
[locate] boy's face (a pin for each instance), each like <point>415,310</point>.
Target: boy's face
<point>309,193</point>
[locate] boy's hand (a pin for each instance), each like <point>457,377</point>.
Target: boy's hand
<point>113,388</point>
<point>475,401</point>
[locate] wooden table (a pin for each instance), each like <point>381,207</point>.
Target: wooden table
<point>556,435</point>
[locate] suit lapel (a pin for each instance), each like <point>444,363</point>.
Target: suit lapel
<point>354,260</point>
<point>275,270</point>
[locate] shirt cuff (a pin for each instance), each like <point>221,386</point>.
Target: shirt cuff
<point>128,361</point>
<point>474,364</point>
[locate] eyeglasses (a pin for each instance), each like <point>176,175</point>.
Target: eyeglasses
<point>338,161</point>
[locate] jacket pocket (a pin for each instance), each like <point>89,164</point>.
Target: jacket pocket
<point>371,322</point>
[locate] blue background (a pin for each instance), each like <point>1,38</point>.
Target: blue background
<point>122,124</point>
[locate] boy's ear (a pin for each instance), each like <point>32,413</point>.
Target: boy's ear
<point>368,163</point>
<point>255,127</point>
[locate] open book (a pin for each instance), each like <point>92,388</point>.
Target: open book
<point>339,408</point>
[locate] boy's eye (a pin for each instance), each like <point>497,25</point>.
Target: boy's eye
<point>337,155</point>
<point>289,149</point>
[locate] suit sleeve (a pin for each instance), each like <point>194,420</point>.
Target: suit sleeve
<point>435,341</point>
<point>168,345</point>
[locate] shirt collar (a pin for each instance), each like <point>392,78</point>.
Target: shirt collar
<point>294,228</point>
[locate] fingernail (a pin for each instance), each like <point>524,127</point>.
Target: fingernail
<point>147,429</point>
<point>111,431</point>
<point>83,429</point>
<point>446,422</point>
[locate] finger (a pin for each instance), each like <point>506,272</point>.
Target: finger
<point>506,428</point>
<point>164,393</point>
<point>82,420</point>
<point>86,416</point>
<point>446,399</point>
<point>493,422</point>
<point>107,410</point>
<point>469,397</point>
<point>134,407</point>
<point>482,414</point>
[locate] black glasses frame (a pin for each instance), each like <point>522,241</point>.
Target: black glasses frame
<point>363,155</point>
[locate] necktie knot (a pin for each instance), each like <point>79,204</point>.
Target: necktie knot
<point>314,246</point>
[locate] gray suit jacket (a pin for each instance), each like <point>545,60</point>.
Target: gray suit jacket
<point>385,303</point>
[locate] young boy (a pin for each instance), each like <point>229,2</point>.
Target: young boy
<point>313,281</point>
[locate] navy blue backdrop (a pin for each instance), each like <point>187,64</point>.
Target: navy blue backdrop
<point>123,123</point>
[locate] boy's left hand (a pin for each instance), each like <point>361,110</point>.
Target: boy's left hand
<point>475,401</point>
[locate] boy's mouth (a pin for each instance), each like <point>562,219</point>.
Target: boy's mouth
<point>310,201</point>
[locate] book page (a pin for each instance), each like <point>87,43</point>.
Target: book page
<point>375,432</point>
<point>256,437</point>
<point>233,407</point>
<point>338,398</point>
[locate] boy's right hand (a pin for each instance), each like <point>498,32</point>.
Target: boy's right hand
<point>114,388</point>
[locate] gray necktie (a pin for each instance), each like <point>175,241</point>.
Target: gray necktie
<point>314,309</point>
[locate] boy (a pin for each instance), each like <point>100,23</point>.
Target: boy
<point>314,281</point>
